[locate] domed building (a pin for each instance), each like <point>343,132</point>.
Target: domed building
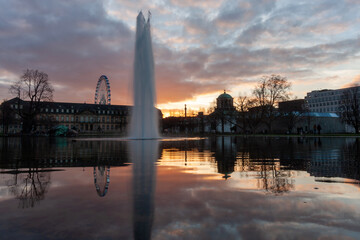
<point>223,119</point>
<point>225,102</point>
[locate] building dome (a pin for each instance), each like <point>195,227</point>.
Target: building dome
<point>224,96</point>
<point>225,102</point>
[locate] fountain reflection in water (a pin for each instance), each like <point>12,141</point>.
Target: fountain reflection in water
<point>144,155</point>
<point>144,119</point>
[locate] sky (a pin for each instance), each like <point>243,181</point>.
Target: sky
<point>201,48</point>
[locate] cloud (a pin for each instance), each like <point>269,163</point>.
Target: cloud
<point>198,48</point>
<point>354,82</point>
<point>74,44</point>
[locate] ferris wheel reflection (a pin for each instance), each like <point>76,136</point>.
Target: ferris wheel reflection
<point>143,155</point>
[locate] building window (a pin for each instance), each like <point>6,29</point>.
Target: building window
<point>67,118</point>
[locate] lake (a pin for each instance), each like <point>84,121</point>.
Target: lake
<point>180,188</point>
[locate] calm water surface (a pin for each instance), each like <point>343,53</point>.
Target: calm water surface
<point>214,188</point>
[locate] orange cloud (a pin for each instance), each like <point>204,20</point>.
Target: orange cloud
<point>354,82</point>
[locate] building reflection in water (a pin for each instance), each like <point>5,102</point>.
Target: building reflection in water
<point>262,160</point>
<point>28,163</point>
<point>259,163</point>
<point>225,156</point>
<point>144,154</point>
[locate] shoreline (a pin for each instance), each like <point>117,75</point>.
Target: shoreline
<point>111,135</point>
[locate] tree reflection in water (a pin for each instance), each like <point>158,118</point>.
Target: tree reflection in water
<point>30,187</point>
<point>101,180</point>
<point>257,157</point>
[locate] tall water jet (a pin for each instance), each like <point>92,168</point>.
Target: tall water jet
<point>144,119</point>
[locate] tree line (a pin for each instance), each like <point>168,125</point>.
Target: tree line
<point>260,108</point>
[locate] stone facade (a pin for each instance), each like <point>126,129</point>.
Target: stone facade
<point>81,117</point>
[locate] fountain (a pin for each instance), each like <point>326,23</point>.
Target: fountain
<point>144,118</point>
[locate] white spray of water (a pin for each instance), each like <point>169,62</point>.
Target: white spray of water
<point>144,118</point>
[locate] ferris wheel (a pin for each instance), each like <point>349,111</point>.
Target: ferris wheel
<point>102,93</point>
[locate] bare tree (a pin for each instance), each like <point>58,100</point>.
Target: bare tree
<point>269,91</point>
<point>350,107</point>
<point>242,107</point>
<point>34,87</point>
<point>248,117</point>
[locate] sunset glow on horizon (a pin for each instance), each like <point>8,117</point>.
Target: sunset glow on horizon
<point>200,48</point>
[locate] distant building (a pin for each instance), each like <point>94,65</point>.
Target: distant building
<point>223,119</point>
<point>317,113</point>
<point>225,102</point>
<point>297,105</point>
<point>81,117</point>
<point>325,100</point>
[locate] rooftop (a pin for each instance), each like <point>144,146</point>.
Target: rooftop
<point>224,95</point>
